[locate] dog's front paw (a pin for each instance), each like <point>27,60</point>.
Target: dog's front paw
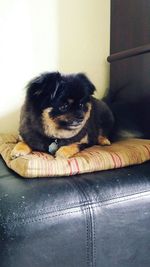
<point>103,141</point>
<point>67,151</point>
<point>20,149</point>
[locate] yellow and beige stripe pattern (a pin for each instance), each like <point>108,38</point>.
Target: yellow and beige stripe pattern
<point>96,158</point>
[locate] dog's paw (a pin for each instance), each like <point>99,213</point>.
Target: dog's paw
<point>103,141</point>
<point>67,151</point>
<point>20,149</point>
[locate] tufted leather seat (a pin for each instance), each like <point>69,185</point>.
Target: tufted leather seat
<point>91,220</point>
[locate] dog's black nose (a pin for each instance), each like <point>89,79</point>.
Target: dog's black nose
<point>79,116</point>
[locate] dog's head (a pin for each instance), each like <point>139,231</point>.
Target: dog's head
<point>63,101</point>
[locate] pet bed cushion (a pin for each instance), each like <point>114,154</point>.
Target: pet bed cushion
<point>96,158</point>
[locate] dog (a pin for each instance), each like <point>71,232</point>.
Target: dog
<point>61,117</point>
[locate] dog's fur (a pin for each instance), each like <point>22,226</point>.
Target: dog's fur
<point>130,107</point>
<point>60,108</point>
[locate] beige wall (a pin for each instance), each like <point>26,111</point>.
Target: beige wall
<point>47,35</point>
<point>84,29</point>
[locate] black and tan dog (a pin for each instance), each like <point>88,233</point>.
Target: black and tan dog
<point>60,116</point>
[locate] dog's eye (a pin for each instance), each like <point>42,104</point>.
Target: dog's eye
<point>64,107</point>
<point>81,105</point>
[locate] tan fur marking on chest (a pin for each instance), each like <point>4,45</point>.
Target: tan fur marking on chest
<point>84,140</point>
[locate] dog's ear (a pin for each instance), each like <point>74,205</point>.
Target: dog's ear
<point>87,83</point>
<point>44,85</point>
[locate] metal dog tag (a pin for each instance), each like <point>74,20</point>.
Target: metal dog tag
<point>53,147</point>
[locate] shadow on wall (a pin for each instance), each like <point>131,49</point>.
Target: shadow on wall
<point>10,122</point>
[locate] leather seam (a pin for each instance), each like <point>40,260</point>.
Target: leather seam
<point>94,238</point>
<point>86,218</point>
<point>84,203</point>
<point>92,218</point>
<point>94,205</point>
<point>91,221</point>
<point>86,213</point>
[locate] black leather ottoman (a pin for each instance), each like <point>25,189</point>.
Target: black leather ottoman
<point>92,220</point>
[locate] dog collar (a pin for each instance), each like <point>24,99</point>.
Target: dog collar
<point>53,147</point>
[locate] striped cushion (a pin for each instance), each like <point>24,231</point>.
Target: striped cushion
<point>96,158</point>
